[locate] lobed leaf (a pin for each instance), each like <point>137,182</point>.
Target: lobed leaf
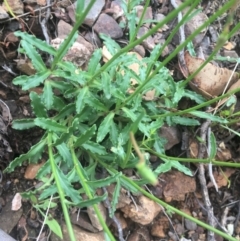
<point>47,96</point>
<point>50,125</point>
<point>32,155</point>
<point>37,105</point>
<point>103,129</point>
<point>81,99</point>
<point>67,187</point>
<point>95,103</point>
<point>28,82</point>
<point>87,135</point>
<point>94,62</point>
<point>23,124</point>
<point>106,83</point>
<point>35,57</point>
<point>94,148</point>
<point>32,40</point>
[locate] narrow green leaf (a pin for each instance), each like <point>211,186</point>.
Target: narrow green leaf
<point>104,182</point>
<point>185,121</point>
<point>47,96</point>
<point>37,105</point>
<point>50,125</point>
<point>48,191</point>
<point>128,186</point>
<point>54,226</point>
<point>23,124</point>
<point>129,113</point>
<point>60,85</point>
<point>180,167</point>
<point>81,99</point>
<point>32,40</point>
<point>94,147</point>
<point>212,147</point>
<point>34,56</point>
<point>85,136</point>
<point>164,167</point>
<point>28,82</point>
<point>63,151</point>
<point>67,187</point>
<point>194,96</point>
<point>115,197</point>
<point>209,116</point>
<point>113,133</point>
<point>136,123</point>
<point>104,127</point>
<point>65,112</point>
<point>33,155</point>
<point>90,202</point>
<point>106,83</point>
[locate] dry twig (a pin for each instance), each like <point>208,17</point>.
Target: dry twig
<point>202,179</point>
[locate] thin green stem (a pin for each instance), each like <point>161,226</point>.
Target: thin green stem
<point>140,21</point>
<point>192,160</point>
<point>85,186</point>
<point>59,188</point>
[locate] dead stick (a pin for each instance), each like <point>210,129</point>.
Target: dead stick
<point>202,179</point>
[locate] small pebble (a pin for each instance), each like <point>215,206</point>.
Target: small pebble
<point>190,225</point>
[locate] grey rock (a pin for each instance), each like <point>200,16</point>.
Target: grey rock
<point>3,14</point>
<point>190,225</point>
<point>107,25</point>
<point>93,216</point>
<point>148,43</point>
<point>5,237</point>
<point>148,15</point>
<point>92,14</point>
<point>64,29</point>
<point>140,50</point>
<point>171,134</point>
<point>9,218</point>
<point>93,38</point>
<point>230,53</point>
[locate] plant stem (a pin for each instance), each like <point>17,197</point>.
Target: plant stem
<point>60,190</point>
<point>89,194</point>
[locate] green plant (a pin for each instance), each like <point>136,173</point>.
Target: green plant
<point>89,122</point>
